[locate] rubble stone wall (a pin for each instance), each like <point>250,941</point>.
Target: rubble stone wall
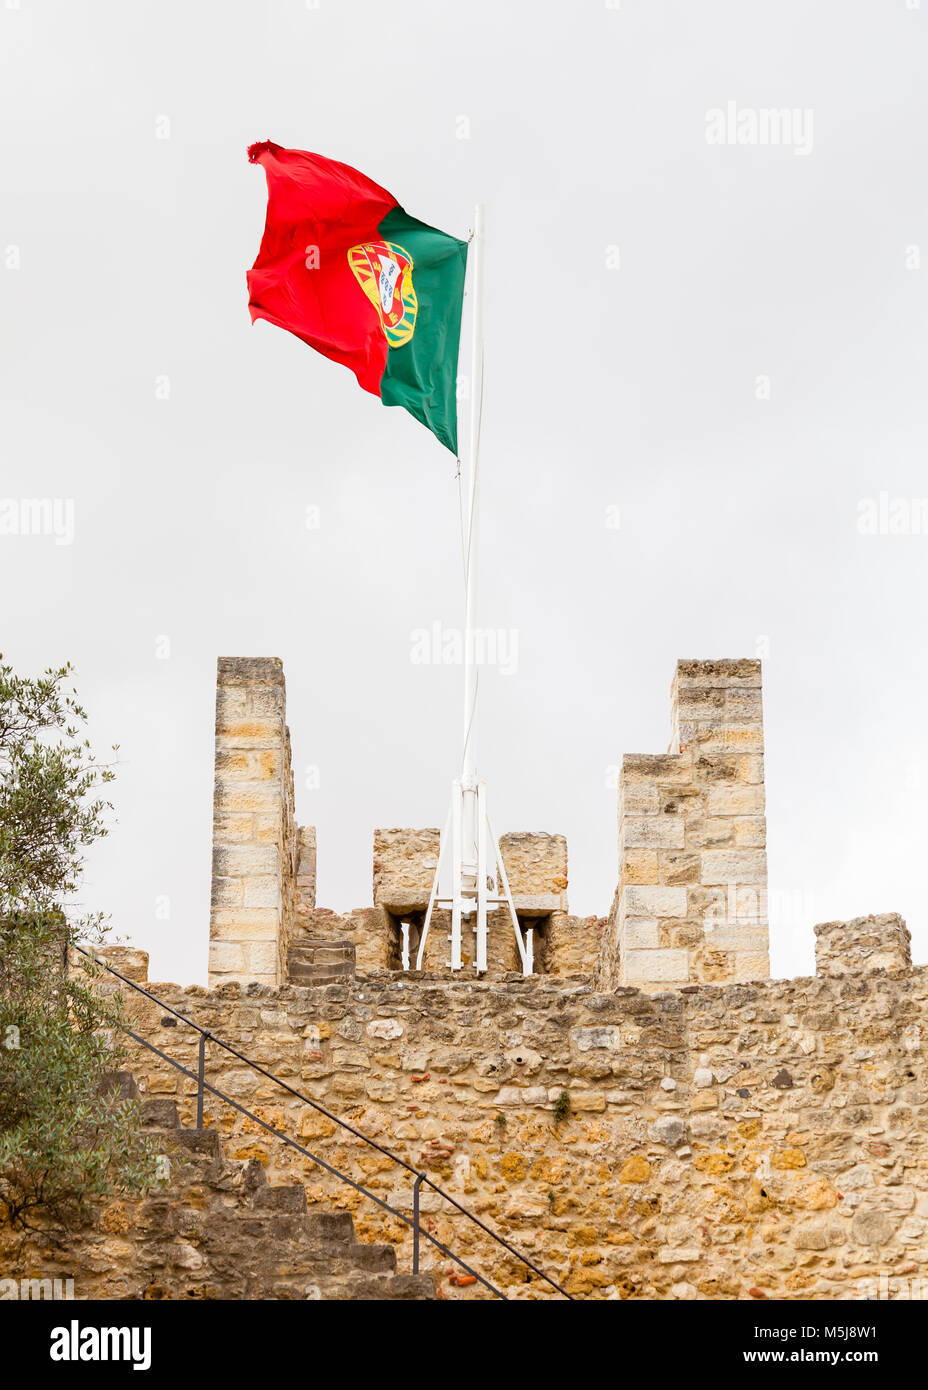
<point>733,1140</point>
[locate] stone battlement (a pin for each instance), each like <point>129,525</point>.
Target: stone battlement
<point>758,1140</point>
<point>691,899</point>
<point>649,1116</point>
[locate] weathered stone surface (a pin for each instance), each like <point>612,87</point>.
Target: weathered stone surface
<point>865,943</point>
<point>709,1134</point>
<point>536,863</point>
<point>212,1228</point>
<point>692,834</point>
<point>263,865</point>
<point>404,867</point>
<point>724,1137</point>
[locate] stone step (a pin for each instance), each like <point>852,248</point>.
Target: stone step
<point>345,1288</point>
<point>328,950</point>
<point>302,974</point>
<point>289,1197</point>
<point>336,949</point>
<point>120,1084</point>
<point>200,1141</point>
<point>160,1113</point>
<point>331,1227</point>
<point>319,974</point>
<point>292,1259</point>
<point>218,1223</point>
<point>377,1259</point>
<point>401,1288</point>
<point>320,962</point>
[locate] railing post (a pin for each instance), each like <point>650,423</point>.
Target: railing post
<point>201,1068</point>
<point>415,1222</point>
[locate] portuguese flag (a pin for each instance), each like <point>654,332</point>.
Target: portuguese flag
<point>343,267</point>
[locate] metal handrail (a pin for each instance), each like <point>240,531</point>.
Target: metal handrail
<point>202,1086</point>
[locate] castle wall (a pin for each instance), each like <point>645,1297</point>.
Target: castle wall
<point>691,903</point>
<point>720,1141</point>
<point>258,851</point>
<point>691,899</point>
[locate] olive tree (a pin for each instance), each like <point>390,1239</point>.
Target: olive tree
<point>66,1137</point>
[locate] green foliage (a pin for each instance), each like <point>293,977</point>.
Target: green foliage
<point>64,1138</point>
<point>561,1108</point>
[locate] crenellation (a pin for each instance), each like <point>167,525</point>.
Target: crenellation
<point>404,867</point>
<point>256,843</point>
<point>864,943</point>
<point>692,837</point>
<point>649,1110</point>
<point>693,819</point>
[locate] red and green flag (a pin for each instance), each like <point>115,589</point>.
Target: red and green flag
<point>346,269</point>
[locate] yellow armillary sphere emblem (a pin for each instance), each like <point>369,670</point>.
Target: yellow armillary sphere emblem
<point>384,272</point>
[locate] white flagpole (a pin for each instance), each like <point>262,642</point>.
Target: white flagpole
<point>471,673</point>
<point>468,841</point>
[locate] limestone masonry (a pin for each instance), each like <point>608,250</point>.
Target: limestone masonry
<point>649,1116</point>
<point>691,902</point>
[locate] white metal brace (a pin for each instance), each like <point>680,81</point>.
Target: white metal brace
<point>475,888</point>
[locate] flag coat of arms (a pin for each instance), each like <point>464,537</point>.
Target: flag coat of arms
<point>347,270</point>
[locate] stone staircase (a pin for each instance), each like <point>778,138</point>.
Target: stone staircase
<point>312,962</point>
<point>219,1230</point>
<point>212,1228</point>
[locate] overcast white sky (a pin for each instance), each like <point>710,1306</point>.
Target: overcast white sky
<point>129,216</point>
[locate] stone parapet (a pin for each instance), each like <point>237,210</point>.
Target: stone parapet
<point>536,866</point>
<point>691,903</point>
<point>863,944</point>
<point>404,868</point>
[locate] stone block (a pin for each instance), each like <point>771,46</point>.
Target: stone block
<point>733,866</point>
<point>656,769</point>
<point>250,671</point>
<point>261,892</point>
<point>306,866</point>
<point>404,868</point>
<point>245,924</point>
<point>227,892</point>
<point>261,958</point>
<point>641,934</point>
<point>639,900</point>
<point>245,861</point>
<point>666,966</point>
<point>607,1038</point>
<point>638,799</point>
<point>640,866</point>
<point>537,904</point>
<point>749,965</point>
<point>536,863</point>
<point>736,800</point>
<point>225,956</point>
<point>653,832</point>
